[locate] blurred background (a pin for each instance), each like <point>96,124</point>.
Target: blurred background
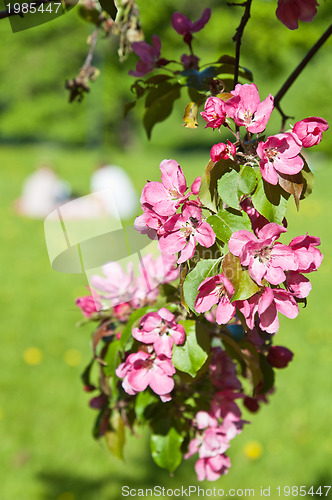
<point>47,451</point>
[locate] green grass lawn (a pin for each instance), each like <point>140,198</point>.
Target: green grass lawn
<point>47,452</point>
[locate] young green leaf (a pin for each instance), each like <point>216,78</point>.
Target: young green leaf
<point>203,269</point>
<point>227,222</point>
<point>270,201</point>
<point>166,449</point>
<point>112,358</point>
<point>116,438</point>
<point>191,356</point>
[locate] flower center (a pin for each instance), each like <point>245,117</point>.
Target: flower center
<point>220,291</point>
<point>247,117</point>
<point>264,254</point>
<point>271,153</point>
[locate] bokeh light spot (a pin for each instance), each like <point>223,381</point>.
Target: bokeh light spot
<point>32,356</point>
<point>253,450</point>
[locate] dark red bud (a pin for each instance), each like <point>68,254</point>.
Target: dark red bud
<point>251,404</point>
<point>279,356</point>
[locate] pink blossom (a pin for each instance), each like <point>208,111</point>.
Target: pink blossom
<point>216,290</point>
<point>149,55</point>
<point>166,196</point>
<point>196,185</point>
<point>279,356</point>
<point>182,231</point>
<point>267,303</point>
<point>190,61</point>
<point>279,154</point>
<point>298,284</point>
<point>161,330</point>
<point>310,131</point>
<point>247,110</point>
<point>223,151</point>
<point>141,370</point>
<point>223,371</point>
<point>214,112</point>
<point>265,258</point>
<point>156,271</point>
<point>212,468</point>
<point>88,305</point>
<point>122,311</point>
<point>184,26</point>
<point>150,223</point>
<point>289,12</point>
<point>308,257</point>
<point>118,286</point>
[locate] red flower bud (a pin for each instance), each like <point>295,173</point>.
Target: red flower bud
<point>279,356</point>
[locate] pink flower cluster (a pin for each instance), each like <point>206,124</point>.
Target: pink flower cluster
<point>123,290</point>
<point>216,428</point>
<point>270,264</point>
<point>152,364</point>
<point>280,153</point>
<point>176,232</point>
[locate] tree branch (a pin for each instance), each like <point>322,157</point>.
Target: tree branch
<point>237,38</point>
<point>297,71</point>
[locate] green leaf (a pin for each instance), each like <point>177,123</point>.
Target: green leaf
<point>89,15</point>
<point>244,285</point>
<point>110,7</point>
<point>134,319</point>
<point>191,356</point>
<point>86,375</point>
<point>308,180</point>
<point>268,374</point>
<point>166,449</point>
<point>127,107</point>
<point>235,183</point>
<point>202,270</point>
<point>227,222</point>
<point>227,185</point>
<point>247,181</point>
<point>116,438</point>
<point>270,201</point>
<point>112,358</point>
<point>159,103</point>
<point>142,401</point>
<point>208,193</point>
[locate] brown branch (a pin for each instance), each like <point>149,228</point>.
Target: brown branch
<point>237,38</point>
<point>297,71</point>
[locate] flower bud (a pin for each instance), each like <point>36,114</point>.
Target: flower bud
<point>279,356</point>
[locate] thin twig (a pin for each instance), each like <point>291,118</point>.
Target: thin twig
<point>237,38</point>
<point>297,71</point>
<point>93,42</point>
